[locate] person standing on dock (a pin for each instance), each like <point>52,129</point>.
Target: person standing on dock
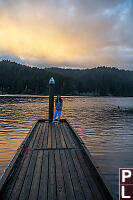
<point>58,108</point>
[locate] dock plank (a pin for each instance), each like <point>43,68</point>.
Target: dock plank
<point>18,180</point>
<point>88,176</point>
<point>43,189</point>
<point>40,142</point>
<point>59,177</point>
<point>36,177</point>
<point>45,139</point>
<point>49,135</point>
<point>7,191</point>
<point>51,177</point>
<point>74,176</point>
<point>35,145</point>
<point>26,173</point>
<point>33,139</point>
<point>87,191</point>
<point>62,140</point>
<point>58,141</point>
<point>53,136</point>
<point>72,140</point>
<point>53,163</point>
<point>14,169</point>
<point>68,144</point>
<point>67,178</point>
<point>27,180</point>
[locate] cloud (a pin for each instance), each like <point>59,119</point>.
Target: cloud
<point>77,32</point>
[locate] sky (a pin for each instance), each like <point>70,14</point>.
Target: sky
<point>76,33</point>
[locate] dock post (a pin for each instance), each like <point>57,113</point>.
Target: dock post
<point>51,98</point>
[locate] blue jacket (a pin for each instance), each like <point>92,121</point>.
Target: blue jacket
<point>58,105</point>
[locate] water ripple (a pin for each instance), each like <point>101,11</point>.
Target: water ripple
<point>107,132</point>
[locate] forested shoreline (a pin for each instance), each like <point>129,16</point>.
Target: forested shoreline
<point>101,81</point>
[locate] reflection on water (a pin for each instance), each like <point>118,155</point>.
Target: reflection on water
<point>107,132</point>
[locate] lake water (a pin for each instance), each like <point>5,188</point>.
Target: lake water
<point>106,131</point>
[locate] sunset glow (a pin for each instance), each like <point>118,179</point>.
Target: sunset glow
<point>67,32</point>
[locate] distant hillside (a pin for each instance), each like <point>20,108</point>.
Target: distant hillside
<point>100,81</point>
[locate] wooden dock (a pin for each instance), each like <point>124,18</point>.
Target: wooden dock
<point>53,163</point>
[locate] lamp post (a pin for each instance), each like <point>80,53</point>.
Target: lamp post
<point>51,98</point>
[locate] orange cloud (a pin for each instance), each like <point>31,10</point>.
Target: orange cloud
<point>64,32</point>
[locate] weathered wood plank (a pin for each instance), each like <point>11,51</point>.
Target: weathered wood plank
<point>74,176</point>
<point>58,142</point>
<point>35,145</point>
<point>45,140</point>
<point>67,178</point>
<point>49,135</point>
<point>95,191</point>
<point>94,169</point>
<point>92,186</point>
<point>53,136</point>
<point>20,179</point>
<point>88,176</point>
<point>51,177</point>
<point>87,191</point>
<point>36,177</point>
<point>33,139</point>
<point>26,159</point>
<point>97,176</point>
<point>42,171</point>
<point>30,169</point>
<point>68,144</point>
<point>10,169</point>
<point>72,139</point>
<point>59,177</point>
<point>43,189</point>
<point>42,134</point>
<point>73,131</point>
<point>6,192</point>
<point>62,140</point>
<point>24,193</point>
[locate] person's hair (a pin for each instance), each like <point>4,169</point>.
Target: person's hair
<point>59,99</point>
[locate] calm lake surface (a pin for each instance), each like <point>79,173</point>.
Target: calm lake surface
<point>106,131</point>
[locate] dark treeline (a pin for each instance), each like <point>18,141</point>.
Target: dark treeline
<point>100,81</point>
